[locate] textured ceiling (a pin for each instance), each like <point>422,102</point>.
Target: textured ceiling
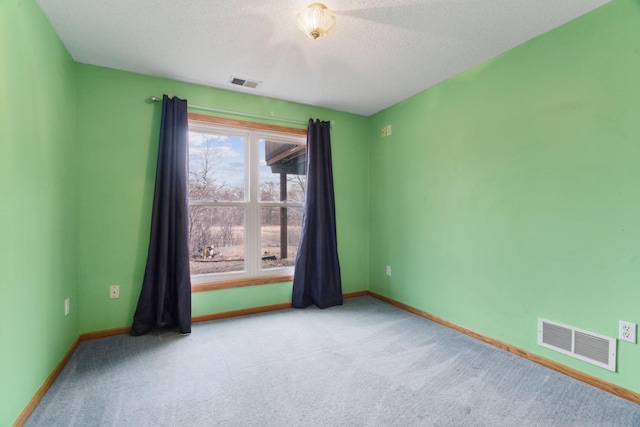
<point>379,53</point>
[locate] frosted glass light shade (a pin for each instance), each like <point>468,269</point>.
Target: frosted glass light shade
<point>316,21</point>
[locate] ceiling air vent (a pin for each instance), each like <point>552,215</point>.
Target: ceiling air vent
<point>587,346</point>
<point>244,82</point>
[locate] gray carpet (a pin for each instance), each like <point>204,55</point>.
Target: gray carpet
<point>365,363</point>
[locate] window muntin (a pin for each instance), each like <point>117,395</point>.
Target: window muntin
<point>245,202</point>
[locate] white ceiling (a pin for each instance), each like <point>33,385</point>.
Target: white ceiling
<point>379,53</point>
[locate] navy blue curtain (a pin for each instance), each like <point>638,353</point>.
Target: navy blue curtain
<point>165,299</point>
<point>317,273</point>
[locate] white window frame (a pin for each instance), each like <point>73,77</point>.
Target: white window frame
<point>251,204</point>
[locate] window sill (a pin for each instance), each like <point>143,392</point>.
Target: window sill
<point>239,283</point>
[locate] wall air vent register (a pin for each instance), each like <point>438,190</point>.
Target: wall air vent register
<point>587,346</point>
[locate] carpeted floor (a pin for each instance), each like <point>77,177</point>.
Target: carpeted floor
<point>365,363</point>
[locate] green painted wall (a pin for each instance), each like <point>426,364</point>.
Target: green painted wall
<point>512,190</point>
<point>117,137</point>
<point>37,211</point>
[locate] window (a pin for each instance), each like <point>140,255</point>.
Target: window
<point>246,195</point>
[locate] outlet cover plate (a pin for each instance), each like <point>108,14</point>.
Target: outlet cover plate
<point>114,291</point>
<point>627,331</point>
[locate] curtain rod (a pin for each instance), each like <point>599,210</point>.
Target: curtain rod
<point>236,113</point>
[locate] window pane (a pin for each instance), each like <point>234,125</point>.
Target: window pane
<point>282,171</point>
<point>216,239</point>
<point>280,235</point>
<point>216,167</point>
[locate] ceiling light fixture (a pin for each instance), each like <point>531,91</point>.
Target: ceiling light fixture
<point>316,21</point>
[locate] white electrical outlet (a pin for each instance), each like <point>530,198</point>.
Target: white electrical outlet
<point>66,307</point>
<point>388,130</point>
<point>627,331</point>
<point>114,291</point>
<point>388,270</point>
